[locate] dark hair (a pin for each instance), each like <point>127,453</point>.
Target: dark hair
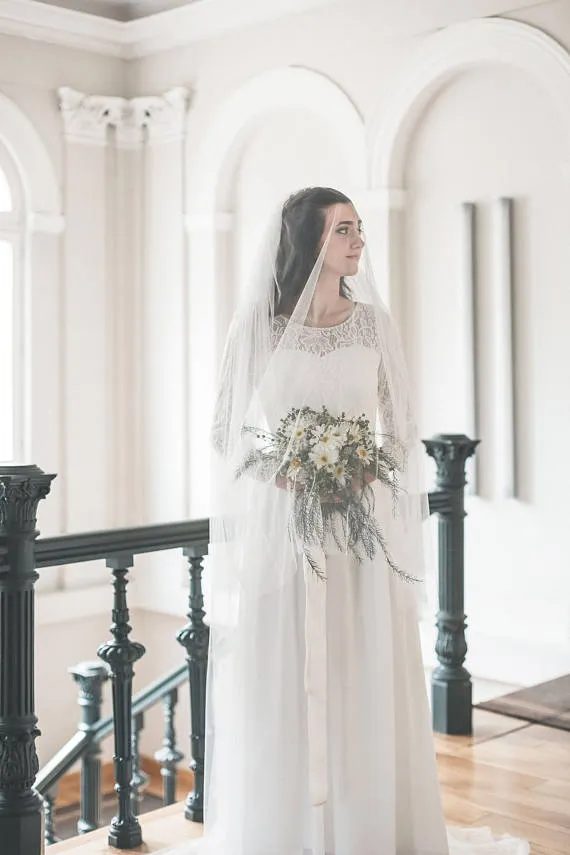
<point>302,224</point>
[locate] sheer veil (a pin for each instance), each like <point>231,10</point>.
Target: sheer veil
<point>254,561</point>
<point>250,549</point>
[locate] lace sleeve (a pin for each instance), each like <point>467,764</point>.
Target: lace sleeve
<point>219,431</point>
<point>242,363</point>
<point>224,407</point>
<point>392,443</point>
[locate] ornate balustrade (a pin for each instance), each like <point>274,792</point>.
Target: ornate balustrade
<point>24,792</point>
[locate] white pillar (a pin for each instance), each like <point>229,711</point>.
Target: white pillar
<point>125,309</point>
<point>165,440</point>
<point>86,474</point>
<point>126,228</point>
<point>211,305</point>
<point>43,360</point>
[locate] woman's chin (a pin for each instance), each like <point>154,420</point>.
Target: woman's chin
<point>351,268</point>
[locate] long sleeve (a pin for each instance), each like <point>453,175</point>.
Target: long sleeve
<point>228,383</point>
<point>392,442</point>
<point>245,356</point>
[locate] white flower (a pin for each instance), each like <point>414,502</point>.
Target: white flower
<point>296,471</point>
<point>298,428</point>
<point>327,438</point>
<point>339,472</point>
<point>363,454</point>
<point>298,431</point>
<point>323,455</point>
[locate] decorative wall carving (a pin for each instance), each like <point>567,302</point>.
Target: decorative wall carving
<point>87,118</point>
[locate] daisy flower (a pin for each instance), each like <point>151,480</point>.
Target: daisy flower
<point>339,472</point>
<point>298,431</point>
<point>323,455</point>
<point>327,438</point>
<point>295,468</point>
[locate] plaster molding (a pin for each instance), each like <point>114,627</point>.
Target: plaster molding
<point>447,54</point>
<point>160,31</point>
<point>87,118</point>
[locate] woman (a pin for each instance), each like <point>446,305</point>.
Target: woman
<point>318,736</point>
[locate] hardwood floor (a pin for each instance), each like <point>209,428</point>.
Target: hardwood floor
<point>511,776</point>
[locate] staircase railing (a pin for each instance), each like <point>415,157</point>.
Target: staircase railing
<point>85,745</point>
<point>21,556</point>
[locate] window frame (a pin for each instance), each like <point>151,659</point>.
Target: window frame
<point>13,231</point>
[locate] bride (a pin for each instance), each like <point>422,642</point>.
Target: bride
<point>318,727</point>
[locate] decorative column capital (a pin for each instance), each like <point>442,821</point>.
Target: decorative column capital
<point>451,452</point>
<point>163,117</point>
<point>86,118</point>
<point>21,489</point>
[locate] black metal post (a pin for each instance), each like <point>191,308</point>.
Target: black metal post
<point>21,808</point>
<point>90,677</point>
<point>169,756</point>
<point>50,836</point>
<point>140,778</point>
<point>451,682</point>
<point>195,637</point>
<point>121,654</point>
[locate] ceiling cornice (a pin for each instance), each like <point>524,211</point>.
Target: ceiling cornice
<point>52,24</point>
<point>200,20</point>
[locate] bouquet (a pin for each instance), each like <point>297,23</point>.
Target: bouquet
<point>328,464</point>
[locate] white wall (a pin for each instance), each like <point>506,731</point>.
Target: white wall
<point>492,133</point>
<point>488,133</point>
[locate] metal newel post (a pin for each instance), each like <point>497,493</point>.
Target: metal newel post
<point>195,637</point>
<point>21,808</point>
<point>90,677</point>
<point>451,682</point>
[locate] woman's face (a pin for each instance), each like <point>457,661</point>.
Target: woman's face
<point>345,243</point>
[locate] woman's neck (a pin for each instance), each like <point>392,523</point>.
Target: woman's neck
<point>327,300</point>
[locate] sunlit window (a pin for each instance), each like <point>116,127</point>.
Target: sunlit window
<point>5,193</point>
<point>11,369</point>
<point>7,451</point>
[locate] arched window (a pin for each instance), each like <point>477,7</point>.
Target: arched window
<point>12,223</point>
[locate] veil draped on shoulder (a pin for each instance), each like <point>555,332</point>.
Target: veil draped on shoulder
<point>252,550</point>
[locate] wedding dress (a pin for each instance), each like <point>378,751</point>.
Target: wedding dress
<point>320,736</point>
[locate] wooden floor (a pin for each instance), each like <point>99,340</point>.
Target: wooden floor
<point>511,776</point>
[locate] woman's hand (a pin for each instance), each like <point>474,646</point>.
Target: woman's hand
<point>361,481</point>
<point>357,484</point>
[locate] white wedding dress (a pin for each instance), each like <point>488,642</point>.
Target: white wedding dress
<point>363,739</point>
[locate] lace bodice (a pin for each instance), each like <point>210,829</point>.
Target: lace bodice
<point>358,329</point>
<point>338,367</point>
